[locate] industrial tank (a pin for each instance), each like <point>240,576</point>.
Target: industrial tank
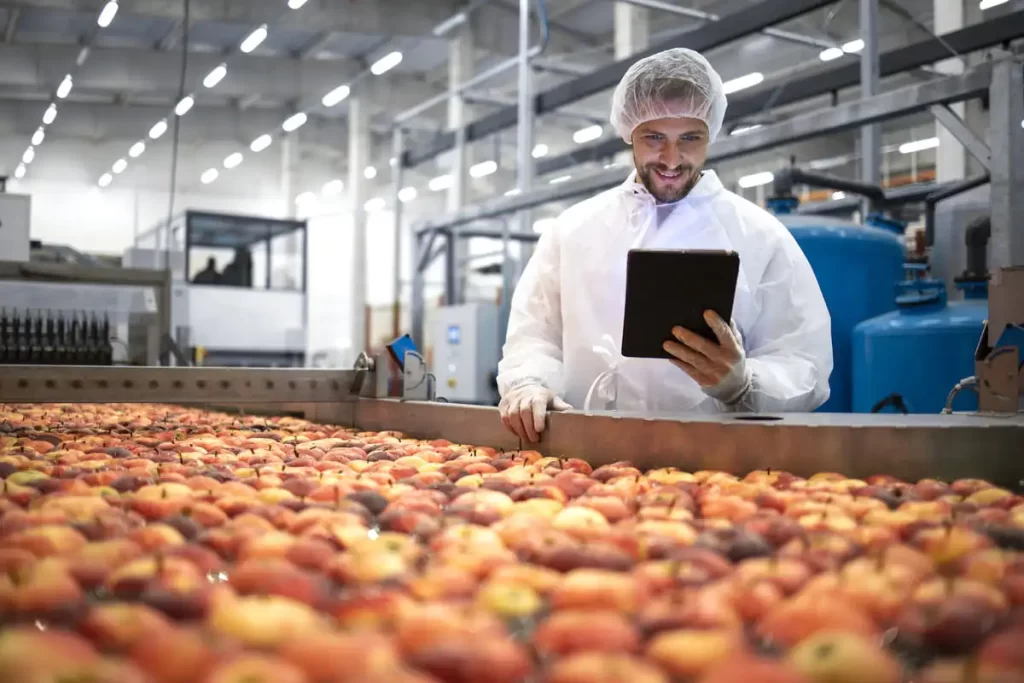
<point>857,268</point>
<point>910,359</point>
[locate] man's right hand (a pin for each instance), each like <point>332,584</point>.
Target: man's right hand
<point>523,410</point>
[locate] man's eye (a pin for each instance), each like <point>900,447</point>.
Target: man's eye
<point>654,136</point>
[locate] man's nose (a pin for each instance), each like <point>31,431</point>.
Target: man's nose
<point>671,157</point>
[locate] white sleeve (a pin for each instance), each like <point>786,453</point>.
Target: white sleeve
<point>789,347</point>
<point>533,345</point>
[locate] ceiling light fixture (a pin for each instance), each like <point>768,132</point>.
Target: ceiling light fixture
<point>215,76</point>
<point>261,143</point>
<point>254,39</point>
<point>386,63</point>
<point>336,96</point>
<point>743,82</point>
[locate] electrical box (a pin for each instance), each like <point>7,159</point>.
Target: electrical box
<point>15,211</point>
<point>466,353</point>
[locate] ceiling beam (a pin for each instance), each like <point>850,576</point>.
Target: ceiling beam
<point>388,17</point>
<point>12,24</point>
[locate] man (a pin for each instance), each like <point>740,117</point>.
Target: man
<point>209,274</point>
<point>565,327</point>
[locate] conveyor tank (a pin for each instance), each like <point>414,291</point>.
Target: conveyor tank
<point>857,268</point>
<point>914,356</point>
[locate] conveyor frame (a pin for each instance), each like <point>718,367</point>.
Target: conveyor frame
<point>907,446</point>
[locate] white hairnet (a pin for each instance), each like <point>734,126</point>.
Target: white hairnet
<point>676,83</point>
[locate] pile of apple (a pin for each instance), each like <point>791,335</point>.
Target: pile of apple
<point>156,544</point>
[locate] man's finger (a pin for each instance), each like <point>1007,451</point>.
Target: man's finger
<point>695,374</point>
<point>722,330</point>
<point>559,404</point>
<point>697,343</point>
<point>691,357</point>
<point>516,417</point>
<point>539,408</point>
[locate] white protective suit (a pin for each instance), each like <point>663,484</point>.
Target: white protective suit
<point>565,327</point>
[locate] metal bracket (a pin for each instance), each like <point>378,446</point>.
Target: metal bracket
<point>959,129</point>
<point>418,384</point>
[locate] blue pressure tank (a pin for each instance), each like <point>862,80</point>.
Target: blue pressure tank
<point>857,268</point>
<point>910,359</point>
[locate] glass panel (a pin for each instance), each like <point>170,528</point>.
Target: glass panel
<point>286,262</point>
<point>243,251</point>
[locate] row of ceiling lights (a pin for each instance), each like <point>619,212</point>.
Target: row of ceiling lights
<point>104,20</point>
<point>212,79</point>
<point>486,168</point>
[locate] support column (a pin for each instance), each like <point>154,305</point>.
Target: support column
<point>287,169</point>
<point>632,29</point>
<point>870,136</point>
<point>358,159</point>
<point>460,70</point>
<point>1006,109</point>
<point>632,35</point>
<point>524,133</point>
<point>950,157</point>
<point>397,151</point>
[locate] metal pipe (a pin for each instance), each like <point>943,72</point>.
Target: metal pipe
<point>950,191</point>
<point>871,134</point>
<point>788,177</point>
<point>708,16</point>
<point>976,239</point>
<point>398,148</point>
<point>417,303</point>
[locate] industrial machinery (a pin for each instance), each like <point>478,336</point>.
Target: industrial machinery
<point>231,276</point>
<point>908,360</point>
<point>466,353</point>
<point>856,267</point>
<point>15,213</point>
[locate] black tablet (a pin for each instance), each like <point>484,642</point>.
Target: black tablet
<point>665,288</point>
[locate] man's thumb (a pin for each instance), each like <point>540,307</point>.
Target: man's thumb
<point>559,404</point>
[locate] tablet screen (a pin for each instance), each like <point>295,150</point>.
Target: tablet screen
<point>666,288</point>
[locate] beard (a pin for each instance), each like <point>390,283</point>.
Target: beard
<point>666,190</point>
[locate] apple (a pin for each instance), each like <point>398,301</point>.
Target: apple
<point>603,667</point>
<point>568,631</point>
<point>689,653</point>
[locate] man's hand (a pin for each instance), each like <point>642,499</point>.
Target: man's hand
<point>720,369</point>
<point>523,410</point>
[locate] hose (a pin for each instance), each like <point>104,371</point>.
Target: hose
<point>966,383</point>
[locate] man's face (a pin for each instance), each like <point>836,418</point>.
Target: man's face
<point>669,155</point>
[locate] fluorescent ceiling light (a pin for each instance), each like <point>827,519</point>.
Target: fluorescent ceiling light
<point>484,168</point>
<point>50,114</point>
<point>305,198</point>
<point>233,160</point>
<point>853,46</point>
<point>919,145</point>
<point>560,179</point>
<point>64,89</point>
<point>407,194</point>
<point>441,182</point>
<point>296,4</point>
<point>333,188</point>
<point>827,55</point>
<point>253,40</point>
<point>375,204</point>
<point>392,162</point>
<point>743,82</point>
<point>610,164</point>
<point>543,224</point>
<point>587,134</point>
<point>513,192</point>
<point>261,143</point>
<point>38,137</point>
<point>839,195</point>
<point>119,166</point>
<point>745,129</point>
<point>541,150</point>
<point>159,129</point>
<point>28,156</point>
<point>185,105</point>
<point>336,96</point>
<point>370,172</point>
<point>19,172</point>
<point>216,76</point>
<point>137,149</point>
<point>209,175</point>
<point>295,122</point>
<point>989,4</point>
<point>756,179</point>
<point>107,14</point>
<point>106,179</point>
<point>386,63</point>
